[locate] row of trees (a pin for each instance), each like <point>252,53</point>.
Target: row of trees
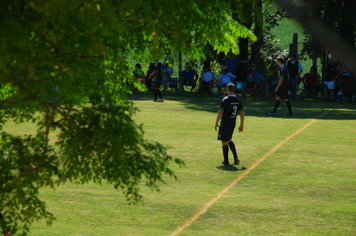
<point>63,68</point>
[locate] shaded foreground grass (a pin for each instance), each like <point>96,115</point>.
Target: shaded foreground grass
<point>306,187</point>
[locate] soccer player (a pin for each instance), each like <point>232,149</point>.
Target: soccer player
<point>228,111</point>
<point>282,87</point>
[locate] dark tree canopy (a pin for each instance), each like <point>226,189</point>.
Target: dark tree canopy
<point>64,67</point>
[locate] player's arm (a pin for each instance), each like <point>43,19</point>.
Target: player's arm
<point>242,121</point>
<point>153,74</point>
<point>300,68</point>
<point>279,84</point>
<point>218,118</point>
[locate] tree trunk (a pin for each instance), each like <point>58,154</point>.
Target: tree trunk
<point>256,46</point>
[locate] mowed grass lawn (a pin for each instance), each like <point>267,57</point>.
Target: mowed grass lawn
<point>305,187</point>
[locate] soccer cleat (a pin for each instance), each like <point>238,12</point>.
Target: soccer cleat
<point>289,115</point>
<point>163,100</point>
<point>237,162</point>
<point>226,164</point>
<point>271,113</point>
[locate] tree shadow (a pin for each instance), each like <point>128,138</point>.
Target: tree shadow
<point>303,108</point>
<point>230,168</point>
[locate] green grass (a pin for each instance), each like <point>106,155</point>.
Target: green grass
<point>307,187</point>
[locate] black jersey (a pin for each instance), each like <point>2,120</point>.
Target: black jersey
<point>230,105</point>
<point>293,68</point>
<point>283,73</point>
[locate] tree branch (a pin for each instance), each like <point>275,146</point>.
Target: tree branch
<point>68,119</point>
<point>46,139</point>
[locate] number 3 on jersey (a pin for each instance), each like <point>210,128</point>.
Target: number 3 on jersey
<point>234,108</point>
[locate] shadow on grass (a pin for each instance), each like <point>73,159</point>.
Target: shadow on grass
<point>230,168</point>
<point>303,108</point>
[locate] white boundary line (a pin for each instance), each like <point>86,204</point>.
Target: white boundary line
<point>233,183</point>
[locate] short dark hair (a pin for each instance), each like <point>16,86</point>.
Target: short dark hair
<point>281,59</point>
<point>231,87</point>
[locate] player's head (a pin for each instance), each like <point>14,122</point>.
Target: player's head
<point>187,66</point>
<point>292,57</point>
<point>280,60</point>
<point>230,88</point>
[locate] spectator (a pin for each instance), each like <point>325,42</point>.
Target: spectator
<point>156,77</point>
<point>168,65</point>
<point>311,82</point>
<point>346,82</point>
<point>231,63</point>
<point>333,72</point>
<point>150,70</point>
<point>206,80</point>
<point>250,83</point>
<point>258,79</point>
<point>295,69</point>
<point>224,79</point>
<point>189,77</point>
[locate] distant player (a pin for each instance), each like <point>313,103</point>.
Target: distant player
<point>228,111</point>
<point>282,87</point>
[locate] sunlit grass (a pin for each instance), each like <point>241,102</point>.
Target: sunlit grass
<point>305,188</point>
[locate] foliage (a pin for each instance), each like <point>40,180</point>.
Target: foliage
<point>270,51</point>
<point>64,66</point>
<point>339,17</point>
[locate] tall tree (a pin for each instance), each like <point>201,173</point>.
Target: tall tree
<point>258,31</point>
<point>324,27</point>
<point>64,66</point>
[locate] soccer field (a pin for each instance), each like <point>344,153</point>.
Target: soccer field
<point>297,175</point>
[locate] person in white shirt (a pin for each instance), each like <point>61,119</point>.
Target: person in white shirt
<point>206,80</point>
<point>224,79</point>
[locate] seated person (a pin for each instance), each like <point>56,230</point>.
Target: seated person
<point>224,79</point>
<point>206,80</point>
<point>259,80</point>
<point>188,77</point>
<point>311,82</point>
<point>250,82</point>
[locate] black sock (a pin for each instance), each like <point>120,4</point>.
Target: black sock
<point>233,150</point>
<point>276,106</point>
<point>155,94</point>
<point>289,107</point>
<point>226,154</point>
<point>159,94</point>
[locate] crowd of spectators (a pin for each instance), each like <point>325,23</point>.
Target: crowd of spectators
<point>251,81</point>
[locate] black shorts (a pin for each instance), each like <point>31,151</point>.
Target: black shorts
<point>283,92</point>
<point>225,133</point>
<point>156,84</point>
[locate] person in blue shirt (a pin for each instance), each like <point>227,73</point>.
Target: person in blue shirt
<point>258,79</point>
<point>206,80</point>
<point>231,63</point>
<point>224,79</point>
<point>189,76</point>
